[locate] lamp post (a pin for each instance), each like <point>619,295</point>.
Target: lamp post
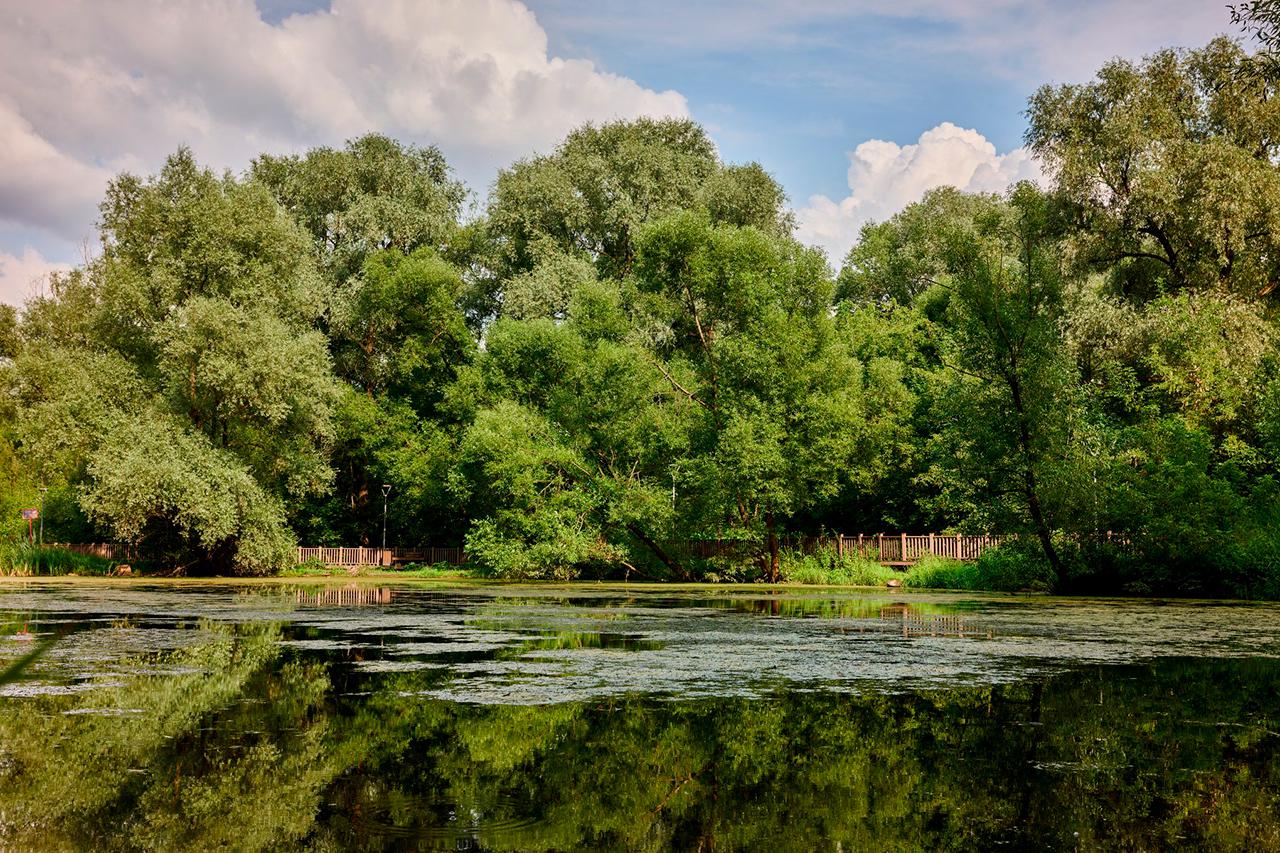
<point>386,490</point>
<point>43,489</point>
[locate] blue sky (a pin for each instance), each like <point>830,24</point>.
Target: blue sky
<point>857,107</point>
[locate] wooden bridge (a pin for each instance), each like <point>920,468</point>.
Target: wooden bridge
<point>892,549</point>
<point>387,557</point>
<point>902,549</point>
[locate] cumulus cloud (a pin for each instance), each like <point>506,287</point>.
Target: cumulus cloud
<point>22,277</point>
<point>90,88</point>
<point>885,177</point>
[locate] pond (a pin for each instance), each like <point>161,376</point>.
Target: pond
<point>153,715</point>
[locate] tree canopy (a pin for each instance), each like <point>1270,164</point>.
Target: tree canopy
<point>624,364</point>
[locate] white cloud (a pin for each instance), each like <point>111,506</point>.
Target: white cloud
<point>25,276</point>
<point>885,177</point>
<point>89,88</point>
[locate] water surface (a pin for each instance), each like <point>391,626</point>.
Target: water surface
<point>255,716</point>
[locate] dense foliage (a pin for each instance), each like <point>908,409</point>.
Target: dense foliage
<point>626,353</point>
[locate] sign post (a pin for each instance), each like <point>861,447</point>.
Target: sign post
<point>31,515</point>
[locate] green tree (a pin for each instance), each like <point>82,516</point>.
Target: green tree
<point>1171,166</point>
<point>896,261</point>
<point>375,193</point>
<point>746,334</point>
<point>397,329</point>
<point>178,379</point>
<point>1010,434</point>
<point>589,199</point>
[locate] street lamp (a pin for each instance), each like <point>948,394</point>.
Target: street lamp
<point>386,490</point>
<point>43,489</point>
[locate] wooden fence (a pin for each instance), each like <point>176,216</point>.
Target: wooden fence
<point>894,549</point>
<point>889,548</point>
<point>354,557</point>
<point>903,548</point>
<point>105,550</point>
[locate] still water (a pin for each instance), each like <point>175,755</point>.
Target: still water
<point>278,716</point>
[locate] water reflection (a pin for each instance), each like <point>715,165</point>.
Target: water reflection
<point>353,595</point>
<point>259,733</point>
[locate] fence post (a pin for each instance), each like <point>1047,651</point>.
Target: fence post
<point>932,551</point>
<point>840,545</point>
<point>903,554</point>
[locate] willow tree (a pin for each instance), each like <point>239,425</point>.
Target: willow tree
<point>1008,442</point>
<point>374,193</point>
<point>1171,165</point>
<point>589,199</point>
<point>742,327</point>
<point>198,398</point>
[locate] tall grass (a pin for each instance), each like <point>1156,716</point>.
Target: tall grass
<point>826,568</point>
<point>25,560</point>
<point>1009,568</point>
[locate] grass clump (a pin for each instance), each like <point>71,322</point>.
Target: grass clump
<point>436,570</point>
<point>829,569</point>
<point>1009,568</point>
<point>25,560</point>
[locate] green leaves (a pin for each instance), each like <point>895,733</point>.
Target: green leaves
<point>149,471</point>
<point>373,194</point>
<point>1170,165</point>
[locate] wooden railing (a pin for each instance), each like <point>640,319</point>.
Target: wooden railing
<point>895,549</point>
<point>355,557</point>
<point>903,548</point>
<point>889,548</point>
<point>105,550</point>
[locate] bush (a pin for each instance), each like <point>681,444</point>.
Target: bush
<point>938,573</point>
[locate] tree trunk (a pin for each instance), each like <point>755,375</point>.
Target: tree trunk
<point>667,560</point>
<point>773,544</point>
<point>1030,488</point>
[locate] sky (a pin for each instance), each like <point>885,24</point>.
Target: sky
<point>856,106</point>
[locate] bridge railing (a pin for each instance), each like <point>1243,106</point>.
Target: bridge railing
<point>386,557</point>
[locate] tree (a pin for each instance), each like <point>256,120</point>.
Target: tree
<point>397,328</point>
<point>178,379</point>
<point>9,341</point>
<point>1011,383</point>
<point>896,261</point>
<point>575,429</point>
<point>589,199</point>
<point>1170,166</point>
<point>747,335</point>
<point>375,193</point>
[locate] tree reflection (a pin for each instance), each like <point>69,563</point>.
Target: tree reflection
<point>242,743</point>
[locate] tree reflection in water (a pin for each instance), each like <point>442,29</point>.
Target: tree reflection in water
<point>239,742</point>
